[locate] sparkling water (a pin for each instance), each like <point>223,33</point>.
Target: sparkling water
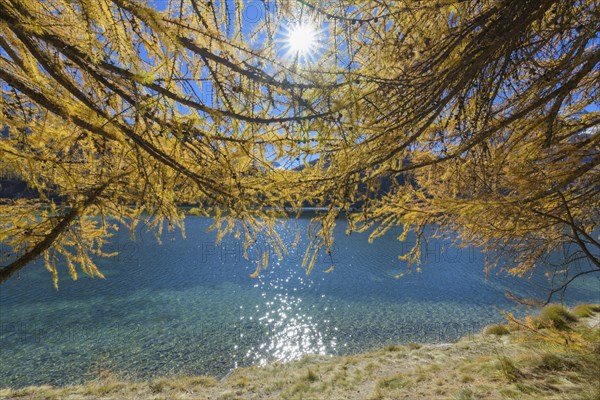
<point>188,307</point>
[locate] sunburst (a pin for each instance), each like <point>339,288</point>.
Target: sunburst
<point>301,41</point>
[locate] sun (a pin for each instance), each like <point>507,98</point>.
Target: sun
<point>301,40</point>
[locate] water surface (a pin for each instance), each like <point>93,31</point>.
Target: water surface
<point>188,307</point>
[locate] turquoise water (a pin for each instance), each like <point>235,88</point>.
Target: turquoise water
<point>188,307</point>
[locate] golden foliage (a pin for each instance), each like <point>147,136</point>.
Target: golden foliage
<point>481,116</point>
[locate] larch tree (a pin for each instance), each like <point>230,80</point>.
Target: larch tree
<point>482,115</point>
<point>489,111</point>
<point>118,111</point>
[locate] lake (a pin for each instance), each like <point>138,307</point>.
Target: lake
<point>189,307</point>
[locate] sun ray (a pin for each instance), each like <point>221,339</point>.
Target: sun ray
<point>301,41</point>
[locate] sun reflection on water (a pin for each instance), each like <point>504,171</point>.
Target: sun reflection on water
<point>291,330</point>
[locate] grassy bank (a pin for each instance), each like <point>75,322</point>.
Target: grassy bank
<point>555,355</point>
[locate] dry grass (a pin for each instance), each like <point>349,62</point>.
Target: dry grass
<point>585,310</point>
<point>515,365</point>
<point>497,330</point>
<point>557,316</point>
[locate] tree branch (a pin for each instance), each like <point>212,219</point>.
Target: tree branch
<point>9,270</point>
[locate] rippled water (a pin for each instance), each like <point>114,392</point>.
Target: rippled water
<point>188,307</point>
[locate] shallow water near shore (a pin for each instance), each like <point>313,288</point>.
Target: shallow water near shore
<point>188,307</point>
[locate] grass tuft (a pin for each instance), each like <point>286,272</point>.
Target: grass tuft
<point>497,330</point>
<point>585,310</point>
<point>556,362</point>
<point>392,348</point>
<point>508,369</point>
<point>311,376</point>
<point>413,345</point>
<point>465,394</point>
<point>158,385</point>
<point>557,316</point>
<point>393,382</point>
